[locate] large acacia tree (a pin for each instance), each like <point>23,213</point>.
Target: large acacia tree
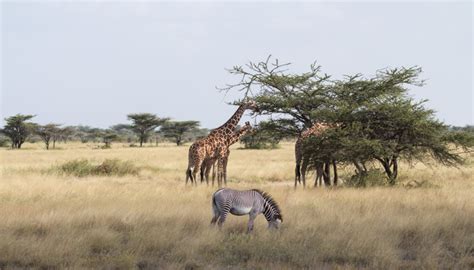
<point>377,120</point>
<point>177,129</point>
<point>18,128</point>
<point>143,124</point>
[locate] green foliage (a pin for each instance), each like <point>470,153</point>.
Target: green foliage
<point>18,129</point>
<point>110,167</point>
<point>176,130</point>
<point>263,137</point>
<point>374,119</point>
<point>144,123</point>
<point>4,141</point>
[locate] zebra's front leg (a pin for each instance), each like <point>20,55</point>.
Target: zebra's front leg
<point>252,217</point>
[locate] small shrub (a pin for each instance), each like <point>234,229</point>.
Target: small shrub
<point>115,167</point>
<point>259,141</point>
<point>109,167</point>
<point>369,178</point>
<point>4,141</point>
<point>78,167</point>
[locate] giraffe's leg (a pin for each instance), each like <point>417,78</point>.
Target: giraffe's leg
<point>226,159</point>
<point>297,173</point>
<point>209,166</point>
<point>304,166</point>
<point>213,172</point>
<point>188,174</point>
<point>220,170</point>
<point>197,168</point>
<point>319,175</point>
<point>202,170</point>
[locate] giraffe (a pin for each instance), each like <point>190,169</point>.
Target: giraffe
<point>209,163</point>
<point>215,143</point>
<point>301,161</point>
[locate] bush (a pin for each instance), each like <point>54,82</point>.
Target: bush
<point>260,141</point>
<point>5,141</point>
<point>110,167</point>
<point>369,178</point>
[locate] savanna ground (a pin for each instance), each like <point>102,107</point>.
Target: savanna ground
<point>151,220</point>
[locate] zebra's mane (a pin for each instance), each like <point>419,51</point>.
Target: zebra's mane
<point>268,198</point>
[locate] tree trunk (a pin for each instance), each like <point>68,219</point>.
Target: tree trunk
<point>47,145</point>
<point>361,169</point>
<point>391,168</point>
<point>334,166</point>
<point>327,174</point>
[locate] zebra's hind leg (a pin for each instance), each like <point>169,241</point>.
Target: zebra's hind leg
<point>214,219</point>
<point>223,214</point>
<point>216,214</point>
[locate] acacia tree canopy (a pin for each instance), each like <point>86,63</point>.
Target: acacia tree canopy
<point>144,123</point>
<point>177,129</point>
<point>47,132</point>
<point>18,129</point>
<point>377,119</point>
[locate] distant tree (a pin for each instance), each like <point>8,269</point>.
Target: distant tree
<point>18,129</point>
<point>66,133</point>
<point>177,129</point>
<point>108,136</point>
<point>47,132</point>
<point>124,132</point>
<point>144,123</point>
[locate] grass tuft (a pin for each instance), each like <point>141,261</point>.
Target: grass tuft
<point>109,167</point>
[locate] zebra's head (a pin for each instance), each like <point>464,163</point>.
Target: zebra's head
<point>277,219</point>
<point>274,224</point>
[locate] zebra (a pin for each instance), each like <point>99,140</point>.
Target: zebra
<point>239,203</point>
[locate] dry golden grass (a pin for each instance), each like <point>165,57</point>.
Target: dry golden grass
<point>151,220</point>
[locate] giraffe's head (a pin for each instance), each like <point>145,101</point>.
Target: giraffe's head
<point>249,104</point>
<point>247,125</point>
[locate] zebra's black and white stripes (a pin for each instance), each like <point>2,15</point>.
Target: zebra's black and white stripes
<point>248,202</point>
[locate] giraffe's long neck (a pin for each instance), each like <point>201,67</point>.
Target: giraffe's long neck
<point>239,135</point>
<point>232,123</point>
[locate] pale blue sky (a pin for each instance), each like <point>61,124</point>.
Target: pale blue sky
<point>92,63</point>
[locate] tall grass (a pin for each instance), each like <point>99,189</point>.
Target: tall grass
<point>151,220</point>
